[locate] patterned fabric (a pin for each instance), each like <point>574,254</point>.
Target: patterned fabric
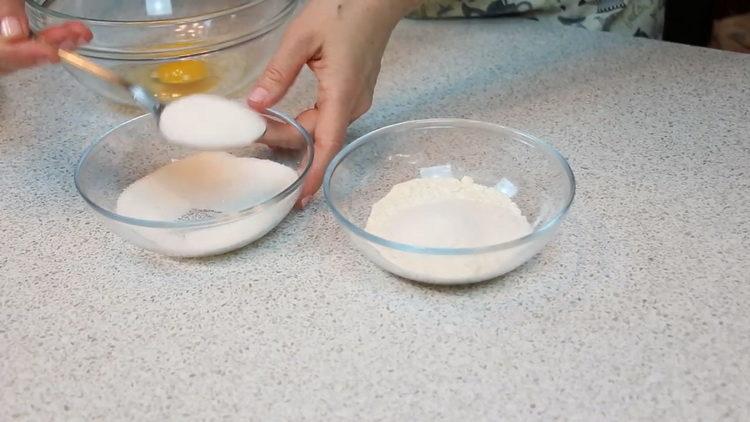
<point>641,18</point>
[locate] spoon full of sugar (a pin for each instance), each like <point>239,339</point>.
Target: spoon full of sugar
<point>200,121</point>
<point>210,122</point>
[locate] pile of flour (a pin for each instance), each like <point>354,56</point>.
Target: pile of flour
<point>201,186</point>
<point>444,212</point>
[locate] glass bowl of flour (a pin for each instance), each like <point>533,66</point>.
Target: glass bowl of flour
<point>449,201</point>
<point>182,202</point>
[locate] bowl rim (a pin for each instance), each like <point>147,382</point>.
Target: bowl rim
<point>113,22</point>
<point>158,55</point>
<point>437,123</point>
<point>200,223</point>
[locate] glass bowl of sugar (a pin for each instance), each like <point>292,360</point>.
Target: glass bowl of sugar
<point>181,202</point>
<point>449,201</point>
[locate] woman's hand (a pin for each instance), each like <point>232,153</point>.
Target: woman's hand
<point>17,51</point>
<point>342,41</point>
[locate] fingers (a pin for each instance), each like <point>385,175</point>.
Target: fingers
<point>11,29</point>
<point>69,35</point>
<point>308,119</point>
<point>16,51</point>
<point>83,32</point>
<point>282,70</point>
<point>327,123</point>
<point>328,126</point>
<point>19,52</point>
<point>13,25</point>
<point>19,55</point>
<point>333,117</point>
<point>282,135</point>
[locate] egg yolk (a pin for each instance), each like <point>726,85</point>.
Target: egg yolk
<point>181,72</point>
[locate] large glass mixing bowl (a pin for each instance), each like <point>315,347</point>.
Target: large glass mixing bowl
<point>173,48</point>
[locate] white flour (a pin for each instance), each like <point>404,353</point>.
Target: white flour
<point>204,185</point>
<point>210,122</point>
<point>445,212</point>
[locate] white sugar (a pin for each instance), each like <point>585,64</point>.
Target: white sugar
<point>207,185</point>
<point>210,122</point>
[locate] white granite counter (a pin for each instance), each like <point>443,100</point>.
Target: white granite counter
<point>638,309</point>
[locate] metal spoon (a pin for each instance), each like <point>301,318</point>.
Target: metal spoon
<point>142,96</point>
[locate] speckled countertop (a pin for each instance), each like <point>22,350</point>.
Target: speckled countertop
<point>639,309</point>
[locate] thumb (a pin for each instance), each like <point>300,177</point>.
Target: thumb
<point>280,73</point>
<point>13,24</point>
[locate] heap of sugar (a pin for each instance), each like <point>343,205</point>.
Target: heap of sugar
<point>203,186</point>
<point>210,122</point>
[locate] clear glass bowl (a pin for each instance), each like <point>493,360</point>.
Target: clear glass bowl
<point>534,174</point>
<point>135,148</point>
<point>229,41</point>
